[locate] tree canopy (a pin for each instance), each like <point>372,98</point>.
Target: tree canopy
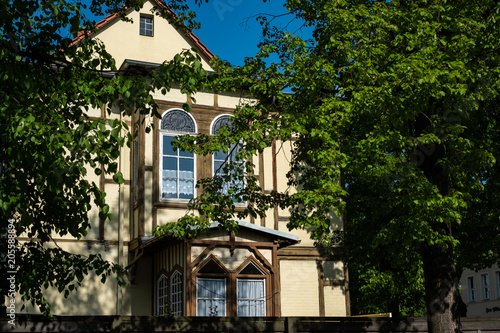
<point>393,116</point>
<point>48,142</point>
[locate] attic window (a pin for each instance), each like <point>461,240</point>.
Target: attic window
<point>146,26</point>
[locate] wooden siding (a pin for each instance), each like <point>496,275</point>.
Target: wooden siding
<point>169,258</point>
<point>167,261</point>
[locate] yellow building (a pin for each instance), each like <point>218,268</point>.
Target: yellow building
<point>264,270</point>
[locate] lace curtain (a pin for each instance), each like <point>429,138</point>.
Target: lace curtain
<point>211,297</point>
<point>251,298</point>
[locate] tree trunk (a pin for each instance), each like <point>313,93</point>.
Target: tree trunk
<point>442,295</point>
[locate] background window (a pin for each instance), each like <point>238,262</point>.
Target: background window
<point>146,26</point>
<point>177,168</point>
<point>211,297</point>
<point>485,286</point>
<point>176,294</point>
<point>498,283</point>
<point>497,278</point>
<point>162,295</point>
<point>251,298</point>
<point>472,289</point>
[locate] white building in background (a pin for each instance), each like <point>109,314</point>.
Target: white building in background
<point>481,292</point>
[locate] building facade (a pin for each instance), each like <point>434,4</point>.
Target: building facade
<point>481,292</point>
<point>263,270</point>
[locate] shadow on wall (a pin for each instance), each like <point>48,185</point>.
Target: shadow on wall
<point>36,324</point>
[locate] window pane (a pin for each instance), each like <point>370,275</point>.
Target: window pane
<point>472,290</point>
<point>251,298</point>
<point>223,121</point>
<point>186,178</point>
<point>176,294</point>
<point>168,149</point>
<point>498,284</point>
<point>169,188</point>
<point>211,297</point>
<point>218,167</point>
<point>233,151</point>
<point>186,167</point>
<point>251,269</point>
<point>178,121</point>
<point>169,177</point>
<point>161,290</point>
<point>220,155</point>
<point>146,26</point>
<point>212,267</point>
<point>170,165</point>
<point>186,154</point>
<point>186,189</point>
<point>485,284</point>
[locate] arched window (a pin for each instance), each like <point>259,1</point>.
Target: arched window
<point>177,168</point>
<point>221,121</point>
<point>224,163</point>
<point>162,295</point>
<point>176,293</point>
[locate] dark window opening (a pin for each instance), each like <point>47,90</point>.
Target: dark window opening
<point>146,26</point>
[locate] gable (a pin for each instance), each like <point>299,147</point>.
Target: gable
<point>124,41</point>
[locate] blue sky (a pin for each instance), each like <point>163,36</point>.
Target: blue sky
<point>229,29</point>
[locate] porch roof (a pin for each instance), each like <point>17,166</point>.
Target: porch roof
<point>148,242</point>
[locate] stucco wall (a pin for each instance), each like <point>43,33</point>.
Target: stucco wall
<point>481,307</point>
<point>123,41</point>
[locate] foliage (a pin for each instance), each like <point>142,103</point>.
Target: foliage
<point>382,279</point>
<point>399,101</point>
<point>48,143</point>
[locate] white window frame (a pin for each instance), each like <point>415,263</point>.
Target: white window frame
<point>146,25</point>
<point>176,293</point>
<point>162,295</point>
<point>223,298</point>
<point>485,286</point>
<point>243,203</point>
<point>253,301</point>
<point>471,288</point>
<point>174,134</point>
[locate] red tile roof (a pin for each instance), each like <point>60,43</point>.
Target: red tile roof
<point>188,33</point>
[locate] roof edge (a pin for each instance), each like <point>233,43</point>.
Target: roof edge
<point>262,229</point>
<point>159,3</point>
<point>147,241</point>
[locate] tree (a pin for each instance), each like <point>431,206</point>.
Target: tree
<point>48,142</point>
<point>393,118</point>
<point>380,279</point>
